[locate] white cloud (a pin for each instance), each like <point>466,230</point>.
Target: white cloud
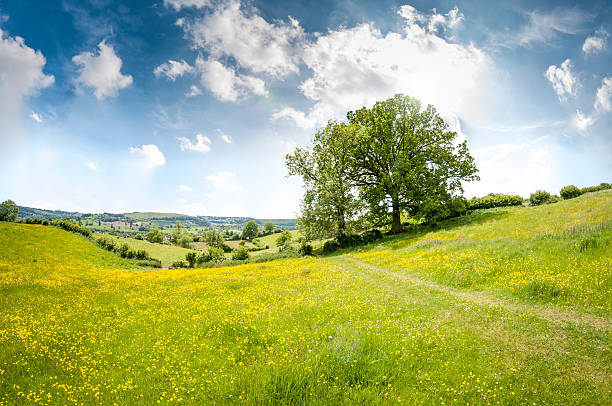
<point>225,181</point>
<point>246,37</point>
<point>149,154</point>
<point>543,27</point>
<point>225,137</point>
<point>36,117</point>
<point>582,122</point>
<point>434,21</point>
<point>562,79</point>
<point>21,76</point>
<point>511,167</point>
<point>595,43</point>
<point>185,188</point>
<point>193,91</point>
<point>225,84</point>
<point>202,143</point>
<point>92,166</point>
<point>102,72</point>
<point>355,67</point>
<point>194,209</point>
<point>173,69</point>
<point>604,96</point>
<point>180,4</point>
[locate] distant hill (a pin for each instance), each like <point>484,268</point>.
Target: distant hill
<point>154,219</point>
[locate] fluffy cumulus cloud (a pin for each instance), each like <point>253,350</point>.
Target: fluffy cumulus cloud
<point>180,4</point>
<point>185,188</point>
<point>202,143</point>
<point>603,101</point>
<point>225,181</point>
<point>21,76</point>
<point>193,91</point>
<point>149,155</point>
<point>595,43</point>
<point>101,71</point>
<point>355,67</point>
<point>173,69</point>
<point>562,79</point>
<point>250,40</point>
<point>225,84</point>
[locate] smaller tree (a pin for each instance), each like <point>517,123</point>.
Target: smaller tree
<point>213,238</point>
<point>539,197</point>
<point>268,227</point>
<point>283,240</point>
<point>155,236</point>
<point>8,211</point>
<point>250,230</point>
<point>191,258</point>
<point>240,253</point>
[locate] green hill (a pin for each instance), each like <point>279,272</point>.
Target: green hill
<point>502,306</point>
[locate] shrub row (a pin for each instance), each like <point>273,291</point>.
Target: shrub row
<point>71,226</point>
<point>123,250</point>
<point>351,240</point>
<point>494,200</point>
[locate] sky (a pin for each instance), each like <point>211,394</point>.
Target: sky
<point>190,106</point>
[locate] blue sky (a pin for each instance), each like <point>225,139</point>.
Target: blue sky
<point>190,105</point>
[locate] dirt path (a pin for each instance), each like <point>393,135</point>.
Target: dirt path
<point>547,312</point>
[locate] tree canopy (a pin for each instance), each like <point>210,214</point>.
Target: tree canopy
<point>8,211</point>
<point>250,230</point>
<point>392,159</point>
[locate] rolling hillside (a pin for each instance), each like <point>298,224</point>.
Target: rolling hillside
<point>503,306</point>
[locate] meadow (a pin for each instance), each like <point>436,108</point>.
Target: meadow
<point>503,306</point>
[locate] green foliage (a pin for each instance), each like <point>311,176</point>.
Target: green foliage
<point>601,186</point>
<point>123,250</point>
<point>569,192</point>
<point>250,230</point>
<point>268,227</point>
<point>348,240</point>
<point>240,254</point>
<point>305,249</point>
<point>106,242</point>
<point>406,161</point>
<point>371,236</point>
<point>181,237</point>
<point>284,239</point>
<point>494,200</point>
<point>191,258</point>
<point>330,246</point>
<point>71,226</point>
<point>214,254</point>
<point>213,238</point>
<point>8,211</point>
<point>155,236</point>
<point>178,264</point>
<point>539,197</point>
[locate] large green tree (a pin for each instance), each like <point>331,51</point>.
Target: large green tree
<point>330,205</point>
<point>250,230</point>
<point>8,211</point>
<point>213,238</point>
<point>406,160</point>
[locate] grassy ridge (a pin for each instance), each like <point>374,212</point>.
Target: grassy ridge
<point>402,322</point>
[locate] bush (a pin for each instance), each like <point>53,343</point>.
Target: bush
<point>142,254</point>
<point>178,264</point>
<point>305,249</point>
<point>33,221</point>
<point>240,254</point>
<point>211,254</point>
<point>569,192</point>
<point>371,236</point>
<point>69,225</point>
<point>494,200</point>
<point>330,246</point>
<point>191,258</point>
<point>601,186</point>
<point>283,239</point>
<point>123,250</point>
<point>348,240</point>
<point>154,236</point>
<point>106,242</point>
<point>539,197</point>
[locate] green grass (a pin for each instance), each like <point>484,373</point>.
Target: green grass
<point>167,254</point>
<point>503,306</point>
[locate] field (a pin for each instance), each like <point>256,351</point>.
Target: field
<point>167,254</point>
<point>504,306</point>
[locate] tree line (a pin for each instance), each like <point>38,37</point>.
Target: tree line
<point>396,159</point>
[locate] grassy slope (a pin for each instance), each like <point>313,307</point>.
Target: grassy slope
<point>165,253</point>
<point>404,322</point>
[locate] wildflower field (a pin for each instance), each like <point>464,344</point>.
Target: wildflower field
<point>503,306</point>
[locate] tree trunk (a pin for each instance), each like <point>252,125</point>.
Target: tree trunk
<point>341,222</point>
<point>396,226</point>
